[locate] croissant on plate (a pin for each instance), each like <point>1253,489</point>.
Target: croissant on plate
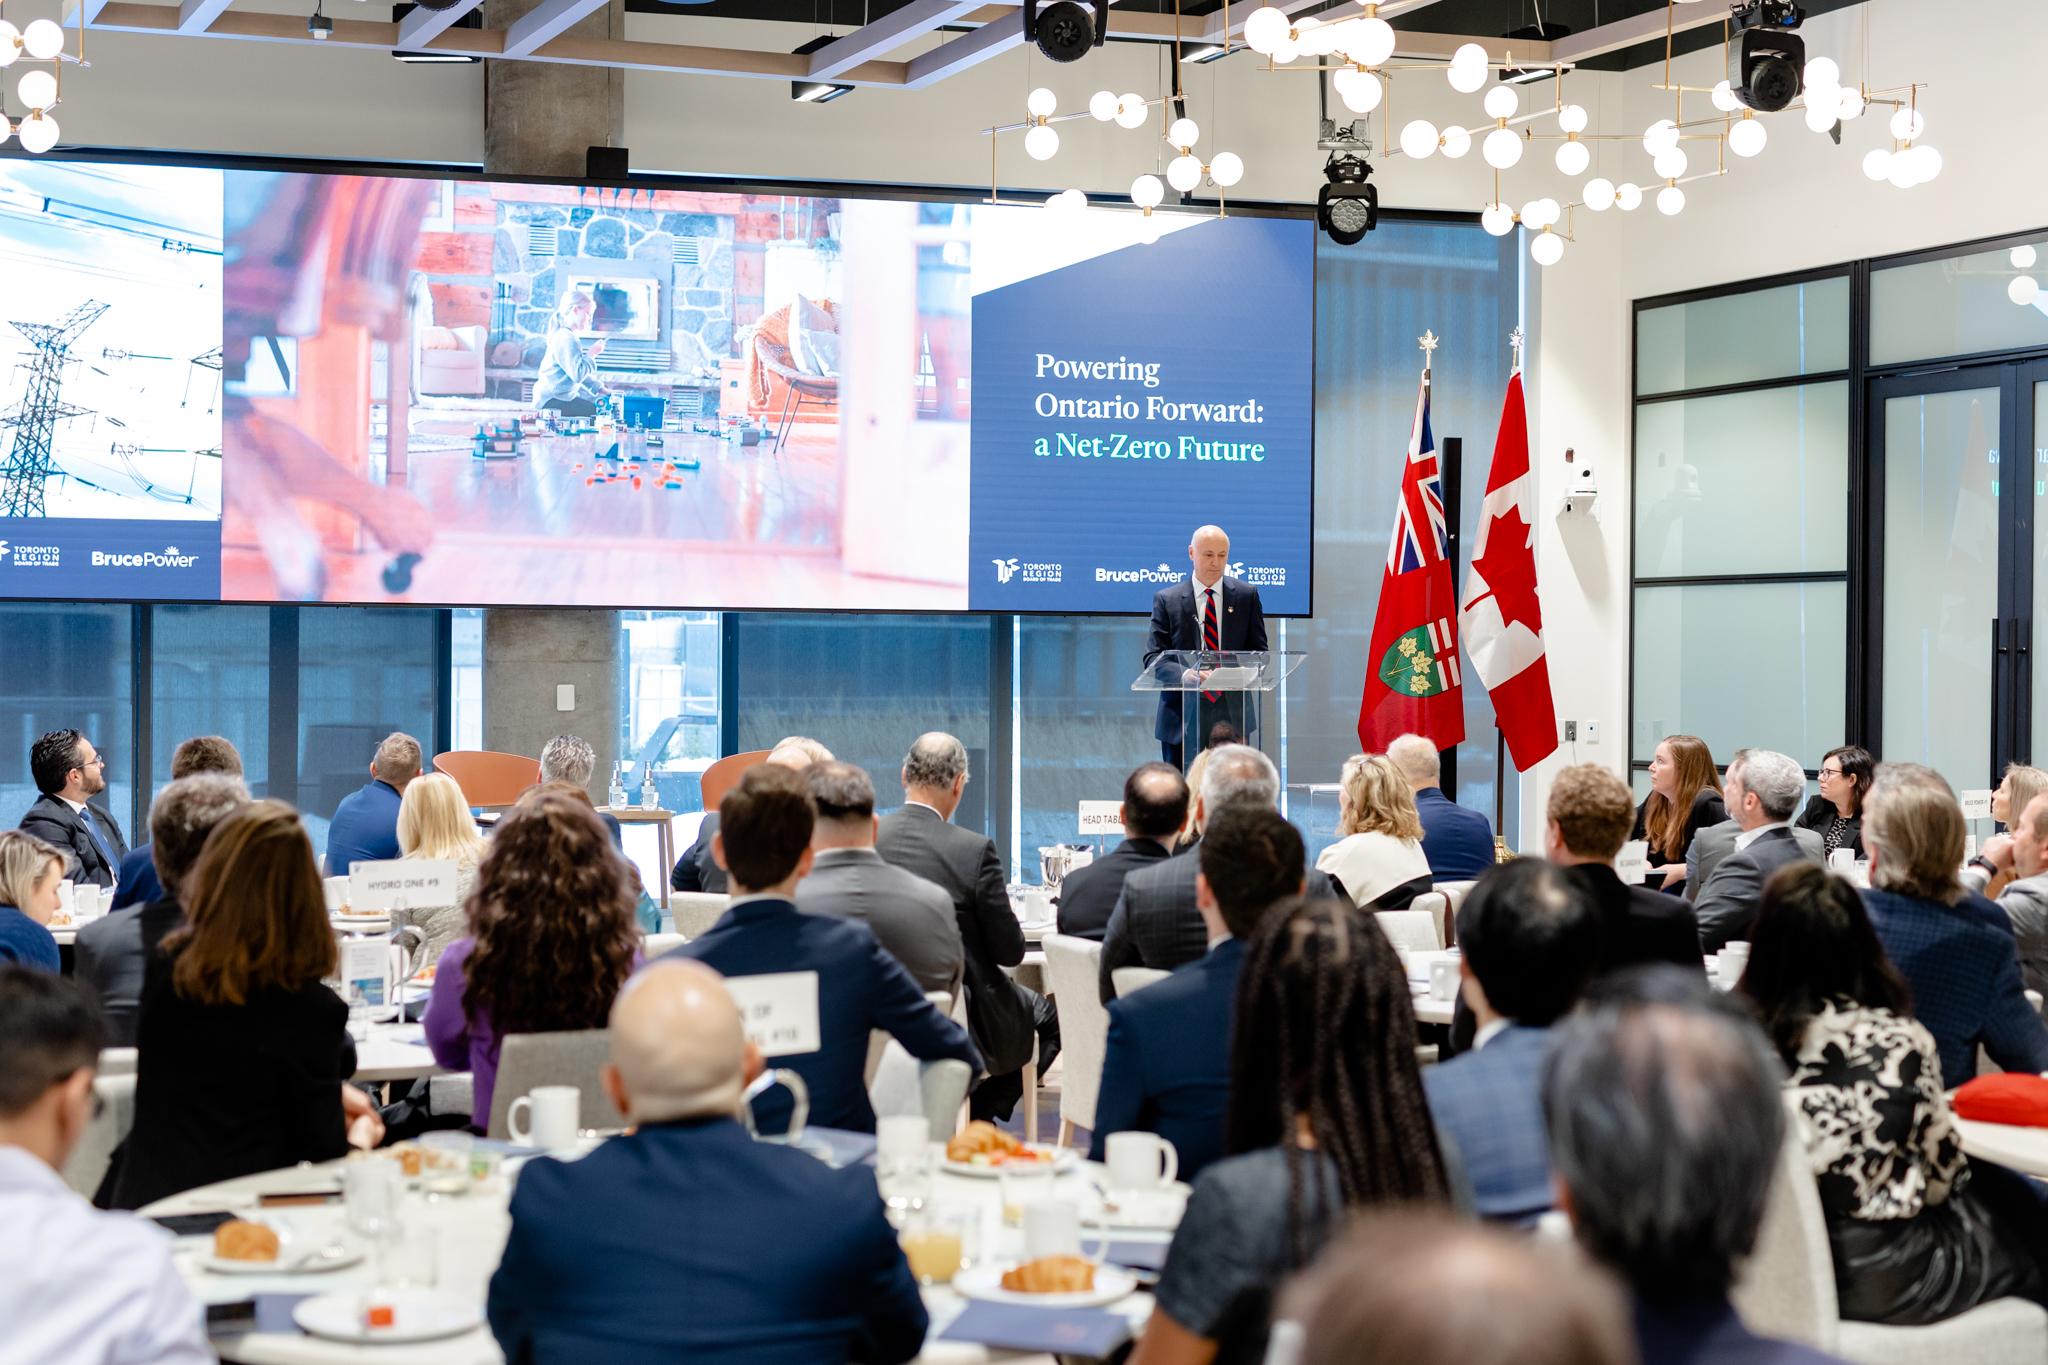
<point>1051,1275</point>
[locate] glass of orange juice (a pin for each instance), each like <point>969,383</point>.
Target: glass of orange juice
<point>935,1241</point>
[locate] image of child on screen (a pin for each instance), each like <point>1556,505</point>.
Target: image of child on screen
<point>568,381</point>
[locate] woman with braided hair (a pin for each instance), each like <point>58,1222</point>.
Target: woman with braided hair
<point>1326,1115</point>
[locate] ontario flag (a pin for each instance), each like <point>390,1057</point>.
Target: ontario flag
<point>1412,682</point>
<point>1500,613</point>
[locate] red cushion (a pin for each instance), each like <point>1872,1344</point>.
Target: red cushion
<point>2006,1098</point>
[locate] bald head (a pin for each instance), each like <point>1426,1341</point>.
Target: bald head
<point>677,1047</point>
<point>1418,761</point>
<point>1209,553</point>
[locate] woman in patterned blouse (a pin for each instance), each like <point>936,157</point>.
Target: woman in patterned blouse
<point>1836,815</point>
<point>1919,1232</point>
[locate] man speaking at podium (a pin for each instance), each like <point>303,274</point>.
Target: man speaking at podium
<point>1211,611</point>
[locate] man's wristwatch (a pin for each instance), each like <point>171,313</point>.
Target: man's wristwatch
<point>1990,868</point>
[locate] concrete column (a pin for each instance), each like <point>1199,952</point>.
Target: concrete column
<point>540,117</point>
<point>527,654</point>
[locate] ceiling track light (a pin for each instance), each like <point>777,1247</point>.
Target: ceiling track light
<point>1065,30</point>
<point>1347,208</point>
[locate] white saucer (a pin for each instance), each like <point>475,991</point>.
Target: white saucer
<point>1063,1162</point>
<point>986,1282</point>
<point>418,1315</point>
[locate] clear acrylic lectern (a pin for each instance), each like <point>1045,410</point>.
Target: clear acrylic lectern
<point>1217,688</point>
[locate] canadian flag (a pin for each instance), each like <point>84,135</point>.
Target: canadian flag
<point>1499,613</point>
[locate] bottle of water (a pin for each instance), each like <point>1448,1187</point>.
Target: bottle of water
<point>616,797</point>
<point>650,799</point>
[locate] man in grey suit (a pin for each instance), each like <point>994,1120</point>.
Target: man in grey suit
<point>2013,870</point>
<point>114,949</point>
<point>1156,922</point>
<point>912,917</point>
<point>1002,1016</point>
<point>1762,790</point>
<point>69,772</point>
<point>1716,842</point>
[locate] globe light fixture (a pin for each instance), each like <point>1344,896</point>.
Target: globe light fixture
<point>1572,118</point>
<point>38,133</point>
<point>2023,290</point>
<point>1456,142</point>
<point>1599,194</point>
<point>42,39</point>
<point>1041,102</point>
<point>38,90</point>
<point>1184,173</point>
<point>1573,158</point>
<point>1067,201</point>
<point>1130,111</point>
<point>1227,169</point>
<point>1102,106</point>
<point>1147,192</point>
<point>1497,219</point>
<point>10,43</point>
<point>1908,124</point>
<point>1671,164</point>
<point>1547,248</point>
<point>1821,116</point>
<point>1628,197</point>
<point>1670,200</point>
<point>2022,257</point>
<point>1877,164</point>
<point>1370,41</point>
<point>1502,148</point>
<point>1468,69</point>
<point>1724,98</point>
<point>1660,136</point>
<point>1265,29</point>
<point>1041,142</point>
<point>1183,133</point>
<point>1851,105</point>
<point>1502,102</point>
<point>1418,139</point>
<point>1361,92</point>
<point>1747,137</point>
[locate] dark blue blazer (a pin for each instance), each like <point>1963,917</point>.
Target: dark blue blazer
<point>25,943</point>
<point>861,988</point>
<point>137,884</point>
<point>1089,894</point>
<point>1166,1068</point>
<point>1177,625</point>
<point>1711,1334</point>
<point>1457,840</point>
<point>690,1241</point>
<point>1489,1104</point>
<point>364,828</point>
<point>1964,967</point>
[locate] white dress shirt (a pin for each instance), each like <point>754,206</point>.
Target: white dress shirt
<point>1750,836</point>
<point>85,1287</point>
<point>1202,612</point>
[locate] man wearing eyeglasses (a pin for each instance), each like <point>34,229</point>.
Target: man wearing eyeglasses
<point>69,773</point>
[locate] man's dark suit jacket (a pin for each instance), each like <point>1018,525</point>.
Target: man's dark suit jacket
<point>1088,894</point>
<point>1156,922</point>
<point>1176,624</point>
<point>1709,1333</point>
<point>697,870</point>
<point>861,989</point>
<point>690,1241</point>
<point>1457,840</point>
<point>965,866</point>
<point>912,918</point>
<point>137,883</point>
<point>1963,966</point>
<point>1729,900</point>
<point>1638,925</point>
<point>52,821</point>
<point>113,952</point>
<point>1166,1068</point>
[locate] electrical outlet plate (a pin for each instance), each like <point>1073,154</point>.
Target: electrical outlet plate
<point>1571,732</point>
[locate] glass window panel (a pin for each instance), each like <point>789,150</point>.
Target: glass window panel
<point>363,673</point>
<point>671,712</point>
<point>1082,728</point>
<point>466,677</point>
<point>1743,483</point>
<point>2039,480</point>
<point>209,674</point>
<point>1738,338</point>
<point>1940,580</point>
<point>66,667</point>
<point>1958,305</point>
<point>1757,665</point>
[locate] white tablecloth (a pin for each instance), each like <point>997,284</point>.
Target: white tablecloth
<point>395,1052</point>
<point>2017,1148</point>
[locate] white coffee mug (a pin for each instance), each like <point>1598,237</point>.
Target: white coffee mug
<point>1052,1227</point>
<point>67,896</point>
<point>1842,860</point>
<point>1139,1161</point>
<point>553,1111</point>
<point>106,900</point>
<point>1443,981</point>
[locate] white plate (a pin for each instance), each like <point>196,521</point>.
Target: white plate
<point>1064,1161</point>
<point>291,1260</point>
<point>420,1315</point>
<point>986,1282</point>
<point>1157,1210</point>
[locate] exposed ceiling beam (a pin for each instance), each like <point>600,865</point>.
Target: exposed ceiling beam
<point>423,25</point>
<point>886,34</point>
<point>545,22</point>
<point>196,16</point>
<point>1216,30</point>
<point>955,55</point>
<point>1640,28</point>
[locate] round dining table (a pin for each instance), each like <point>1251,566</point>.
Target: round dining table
<point>468,1233</point>
<point>2013,1146</point>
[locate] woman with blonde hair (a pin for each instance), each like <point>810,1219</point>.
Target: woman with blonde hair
<point>1188,833</point>
<point>29,873</point>
<point>1685,797</point>
<point>434,823</point>
<point>568,381</point>
<point>2015,792</point>
<point>1379,859</point>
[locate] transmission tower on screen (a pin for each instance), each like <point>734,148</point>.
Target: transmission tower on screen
<point>35,417</point>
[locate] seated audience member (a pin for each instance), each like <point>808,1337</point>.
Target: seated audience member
<point>241,1044</point>
<point>913,918</point>
<point>1589,820</point>
<point>1714,843</point>
<point>1190,832</point>
<point>567,758</point>
<point>138,883</point>
<point>1762,793</point>
<point>551,939</point>
<point>1327,1116</point>
<point>1661,1097</point>
<point>1685,798</point>
<point>764,845</point>
<point>695,870</point>
<point>1378,857</point>
<point>1457,840</point>
<point>2015,791</point>
<point>1166,1066</point>
<point>365,825</point>
<point>1002,1017</point>
<point>114,951</point>
<point>30,871</point>
<point>1155,807</point>
<point>1836,814</point>
<point>1920,1233</point>
<point>75,1284</point>
<point>434,823</point>
<point>1530,934</point>
<point>68,774</point>
<point>1955,949</point>
<point>1410,1286</point>
<point>786,1261</point>
<point>1156,922</point>
<point>2019,879</point>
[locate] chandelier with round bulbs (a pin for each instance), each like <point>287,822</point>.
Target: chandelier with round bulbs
<point>34,56</point>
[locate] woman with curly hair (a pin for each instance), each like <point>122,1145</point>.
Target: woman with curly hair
<point>551,940</point>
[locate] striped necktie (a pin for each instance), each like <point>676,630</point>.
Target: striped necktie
<point>1211,640</point>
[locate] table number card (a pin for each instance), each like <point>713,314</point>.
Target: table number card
<point>1976,804</point>
<point>401,884</point>
<point>1102,819</point>
<point>779,1011</point>
<point>1632,864</point>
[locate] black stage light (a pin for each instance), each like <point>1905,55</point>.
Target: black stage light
<point>817,92</point>
<point>1065,30</point>
<point>1347,208</point>
<point>319,25</point>
<point>1767,71</point>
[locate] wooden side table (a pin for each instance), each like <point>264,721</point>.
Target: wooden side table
<point>664,837</point>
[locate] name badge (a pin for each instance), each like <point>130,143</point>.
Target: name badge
<point>779,1011</point>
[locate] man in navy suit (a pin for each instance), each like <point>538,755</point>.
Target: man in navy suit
<point>1166,1066</point>
<point>1155,807</point>
<point>1212,611</point>
<point>69,772</point>
<point>686,1239</point>
<point>138,884</point>
<point>365,824</point>
<point>1529,935</point>
<point>1457,840</point>
<point>828,979</point>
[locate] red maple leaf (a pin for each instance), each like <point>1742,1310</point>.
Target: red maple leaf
<point>1509,572</point>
